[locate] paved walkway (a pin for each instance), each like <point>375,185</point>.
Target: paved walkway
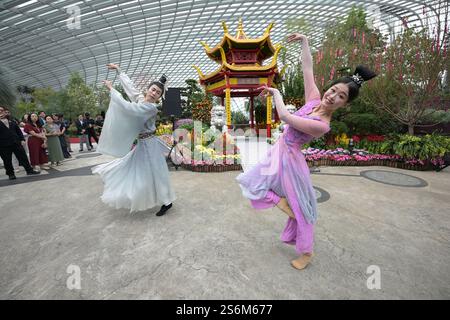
<point>213,245</point>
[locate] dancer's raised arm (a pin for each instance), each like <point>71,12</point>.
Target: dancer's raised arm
<point>134,94</point>
<point>134,108</point>
<point>311,90</point>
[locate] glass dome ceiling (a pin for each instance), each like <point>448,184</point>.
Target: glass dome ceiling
<point>42,42</point>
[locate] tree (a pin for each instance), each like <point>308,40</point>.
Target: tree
<point>23,107</point>
<point>48,100</point>
<point>410,82</point>
<point>193,94</point>
<point>260,110</point>
<point>293,85</point>
<point>25,93</point>
<point>346,44</point>
<point>80,97</point>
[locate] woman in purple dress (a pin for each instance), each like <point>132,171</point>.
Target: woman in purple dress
<point>282,178</point>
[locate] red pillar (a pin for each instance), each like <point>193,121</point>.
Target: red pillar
<point>277,119</point>
<point>252,115</point>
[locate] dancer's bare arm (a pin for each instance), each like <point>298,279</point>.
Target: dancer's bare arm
<point>309,126</point>
<point>311,90</point>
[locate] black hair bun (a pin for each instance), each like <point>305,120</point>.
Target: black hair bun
<point>364,72</point>
<point>163,79</point>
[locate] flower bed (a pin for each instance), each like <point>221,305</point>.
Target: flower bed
<point>342,157</point>
<point>209,160</point>
<point>211,167</point>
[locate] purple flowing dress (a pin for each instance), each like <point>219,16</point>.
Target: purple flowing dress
<point>285,173</point>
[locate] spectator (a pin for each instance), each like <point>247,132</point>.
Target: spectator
<point>81,124</point>
<point>62,141</point>
<point>90,129</point>
<point>11,141</point>
<point>66,124</point>
<point>15,161</point>
<point>37,142</point>
<point>99,124</point>
<point>42,118</point>
<point>52,132</point>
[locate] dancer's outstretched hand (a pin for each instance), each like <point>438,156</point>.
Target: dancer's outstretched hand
<point>108,84</point>
<point>296,37</point>
<point>267,91</point>
<point>112,66</point>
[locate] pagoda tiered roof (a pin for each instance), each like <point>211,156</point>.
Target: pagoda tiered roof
<point>241,56</point>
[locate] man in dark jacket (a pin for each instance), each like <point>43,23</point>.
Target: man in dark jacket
<point>11,139</point>
<point>90,129</point>
<point>82,126</point>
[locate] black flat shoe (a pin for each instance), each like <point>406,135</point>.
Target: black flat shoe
<point>12,177</point>
<point>33,172</point>
<point>163,210</point>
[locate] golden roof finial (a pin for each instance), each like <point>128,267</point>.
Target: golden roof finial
<point>224,26</point>
<point>203,43</point>
<point>240,34</point>
<point>269,27</point>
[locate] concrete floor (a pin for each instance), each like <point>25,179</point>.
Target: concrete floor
<point>213,245</point>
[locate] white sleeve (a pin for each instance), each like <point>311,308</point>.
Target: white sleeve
<point>123,122</point>
<point>135,108</point>
<point>134,94</point>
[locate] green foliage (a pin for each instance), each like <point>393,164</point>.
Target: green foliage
<point>363,118</point>
<point>193,94</point>
<point>338,127</point>
<point>435,116</point>
<point>201,111</point>
<point>260,110</point>
<point>238,117</point>
<point>409,80</point>
<point>43,96</point>
<point>319,143</point>
<point>103,97</point>
<point>80,97</point>
<point>293,86</point>
<point>375,147</point>
<point>429,146</point>
<point>426,147</point>
<point>23,107</point>
<point>72,130</point>
<point>346,44</point>
<point>190,127</point>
